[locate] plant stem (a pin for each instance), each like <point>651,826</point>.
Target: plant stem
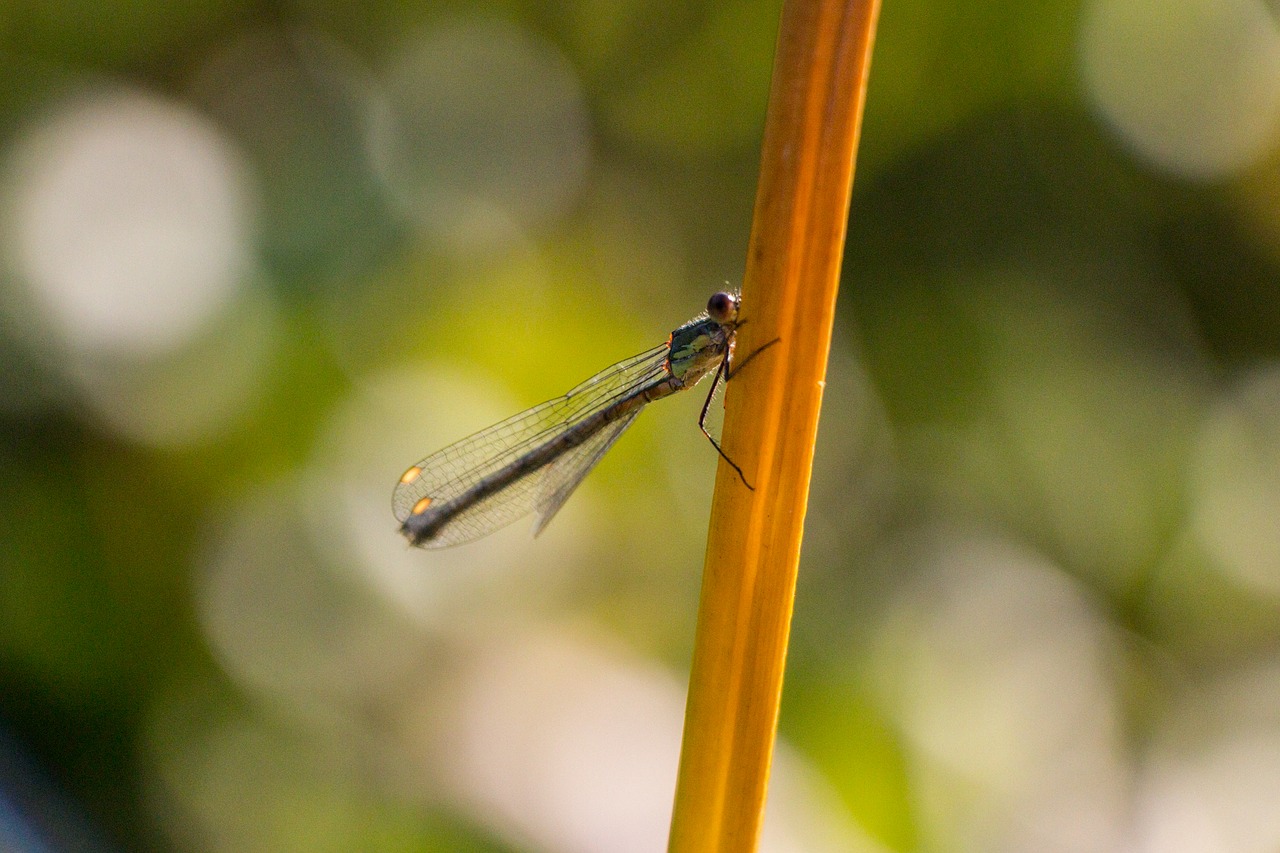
<point>771,421</point>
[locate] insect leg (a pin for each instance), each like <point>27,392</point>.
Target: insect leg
<point>734,370</point>
<point>722,373</point>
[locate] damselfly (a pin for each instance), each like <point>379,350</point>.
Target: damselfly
<point>533,461</point>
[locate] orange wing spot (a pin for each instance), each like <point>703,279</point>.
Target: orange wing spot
<point>409,476</point>
<point>420,507</point>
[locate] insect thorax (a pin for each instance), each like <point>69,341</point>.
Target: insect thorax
<point>696,348</point>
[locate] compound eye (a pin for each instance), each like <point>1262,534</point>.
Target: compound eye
<point>722,307</point>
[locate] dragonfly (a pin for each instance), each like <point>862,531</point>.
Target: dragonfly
<point>533,461</point>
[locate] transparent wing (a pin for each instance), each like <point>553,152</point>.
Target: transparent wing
<point>450,472</point>
<point>564,475</point>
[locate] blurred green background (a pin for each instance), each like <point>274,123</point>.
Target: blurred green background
<point>256,259</point>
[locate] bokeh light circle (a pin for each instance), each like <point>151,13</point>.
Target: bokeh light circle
<point>484,131</point>
<point>1193,86</point>
<point>128,222</point>
<point>995,666</point>
<point>1235,483</point>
